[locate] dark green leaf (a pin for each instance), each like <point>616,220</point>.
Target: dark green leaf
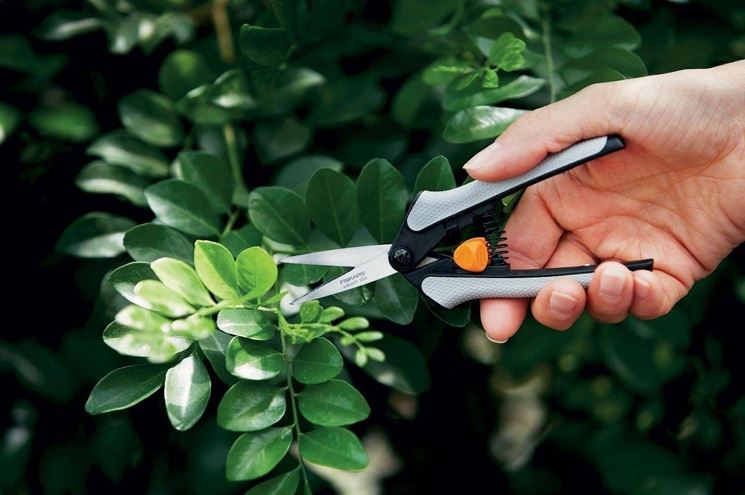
<point>605,30</point>
<point>296,174</point>
<point>414,16</point>
<point>181,205</point>
<point>459,316</point>
<point>334,403</point>
<point>506,53</point>
<point>243,322</point>
<point>65,24</point>
<point>610,57</point>
<point>493,23</point>
<point>355,297</point>
<point>334,447</point>
<point>122,148</point>
<point>253,360</point>
<point>416,105</point>
<point>210,174</point>
<point>238,240</point>
<point>100,177</point>
<point>187,392</point>
<point>257,272</point>
<point>346,101</point>
<point>17,54</point>
<point>265,46</point>
<point>216,269</point>
<point>68,122</point>
<point>455,99</point>
<point>396,298</point>
<point>150,241</point>
<point>197,106</point>
<point>10,117</point>
<point>151,117</point>
<point>126,277</point>
<point>231,91</point>
<point>279,214</point>
<point>95,235</point>
<point>182,71</point>
<point>279,139</point>
<point>482,122</point>
<point>284,484</point>
<point>332,204</point>
<point>382,197</point>
<point>249,406</point>
<point>317,362</point>
<point>125,387</point>
<point>435,175</point>
<point>215,348</point>
<point>255,454</point>
<point>182,279</point>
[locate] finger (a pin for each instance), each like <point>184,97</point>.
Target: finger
<point>548,130</point>
<point>610,293</point>
<point>501,318</point>
<point>655,293</point>
<point>559,304</point>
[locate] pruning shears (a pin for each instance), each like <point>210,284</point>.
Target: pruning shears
<point>479,267</point>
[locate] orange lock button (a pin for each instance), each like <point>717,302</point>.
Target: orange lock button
<point>473,255</point>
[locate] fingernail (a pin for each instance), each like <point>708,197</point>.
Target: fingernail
<point>641,290</point>
<point>612,282</point>
<point>483,157</point>
<point>495,340</point>
<point>561,303</point>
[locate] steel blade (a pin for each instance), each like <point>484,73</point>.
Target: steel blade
<point>372,270</point>
<point>347,257</point>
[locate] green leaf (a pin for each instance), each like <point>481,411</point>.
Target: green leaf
<point>279,214</point>
<point>598,31</point>
<point>334,447</point>
<point>151,117</point>
<point>599,76</point>
<point>257,272</point>
<point>215,347</point>
<point>157,347</point>
<point>370,336</point>
<point>231,91</point>
<point>416,105</point>
<point>10,117</point>
<point>632,360</point>
<point>126,277</point>
<point>482,122</point>
<point>284,484</point>
<point>310,312</point>
<point>122,148</point>
<point>68,122</point>
<point>302,274</point>
<point>153,295</point>
<point>609,57</point>
<point>381,197</point>
<point>65,24</point>
<point>445,70</point>
<point>396,298</point>
<point>253,360</point>
<point>194,327</point>
<point>354,323</point>
<point>317,362</point>
<point>417,16</point>
<point>455,99</point>
<point>239,239</point>
<point>331,313</point>
<point>375,354</point>
<point>187,392</point>
<point>182,71</point>
<point>182,279</point>
<point>181,205</point>
<point>331,199</point>
<point>265,46</point>
<point>279,139</point>
<point>493,23</point>
<point>151,241</point>
<point>507,53</point>
<point>249,406</point>
<point>197,106</point>
<point>255,454</point>
<point>216,269</point>
<point>296,174</point>
<point>458,317</point>
<point>95,235</point>
<point>102,178</point>
<point>334,403</point>
<point>435,175</point>
<point>210,174</point>
<point>143,319</point>
<point>125,387</point>
<point>243,322</point>
<point>346,101</point>
<point>360,358</point>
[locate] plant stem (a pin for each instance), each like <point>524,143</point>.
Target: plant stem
<point>293,405</point>
<point>231,221</point>
<point>233,159</point>
<point>548,51</point>
<point>222,28</point>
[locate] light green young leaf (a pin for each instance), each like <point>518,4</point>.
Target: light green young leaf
<point>360,358</point>
<point>187,392</point>
<point>257,272</point>
<point>381,198</point>
<point>142,319</point>
<point>68,122</point>
<point>157,347</point>
<point>255,454</point>
<point>284,484</point>
<point>123,149</point>
<point>369,336</point>
<point>243,322</point>
<point>253,360</point>
<point>125,387</point>
<point>507,53</point>
<point>208,173</point>
<point>154,295</point>
<point>375,354</point>
<point>248,406</point>
<point>435,175</point>
<point>101,178</point>
<point>334,447</point>
<point>194,327</point>
<point>182,71</point>
<point>332,204</point>
<point>151,241</point>
<point>396,298</point>
<point>317,362</point>
<point>95,235</point>
<point>354,323</point>
<point>279,214</point>
<point>445,70</point>
<point>216,269</point>
<point>265,46</point>
<point>331,313</point>
<point>124,279</point>
<point>151,117</point>
<point>310,312</point>
<point>182,206</point>
<point>182,279</point>
<point>279,139</point>
<point>482,122</point>
<point>334,403</point>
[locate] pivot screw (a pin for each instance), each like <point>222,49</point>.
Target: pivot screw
<point>402,257</point>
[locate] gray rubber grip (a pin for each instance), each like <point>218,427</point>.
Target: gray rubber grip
<point>452,291</point>
<point>432,207</point>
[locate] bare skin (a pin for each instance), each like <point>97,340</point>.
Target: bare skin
<point>675,194</point>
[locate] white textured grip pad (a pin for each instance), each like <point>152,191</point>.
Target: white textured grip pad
<point>432,207</point>
<point>451,291</point>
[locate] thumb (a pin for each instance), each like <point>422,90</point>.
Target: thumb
<point>587,114</point>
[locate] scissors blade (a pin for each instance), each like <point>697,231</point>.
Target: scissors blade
<point>370,271</point>
<point>347,257</point>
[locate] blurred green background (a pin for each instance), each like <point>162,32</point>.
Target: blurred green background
<point>643,407</point>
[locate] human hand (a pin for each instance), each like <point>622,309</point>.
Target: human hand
<point>675,194</point>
